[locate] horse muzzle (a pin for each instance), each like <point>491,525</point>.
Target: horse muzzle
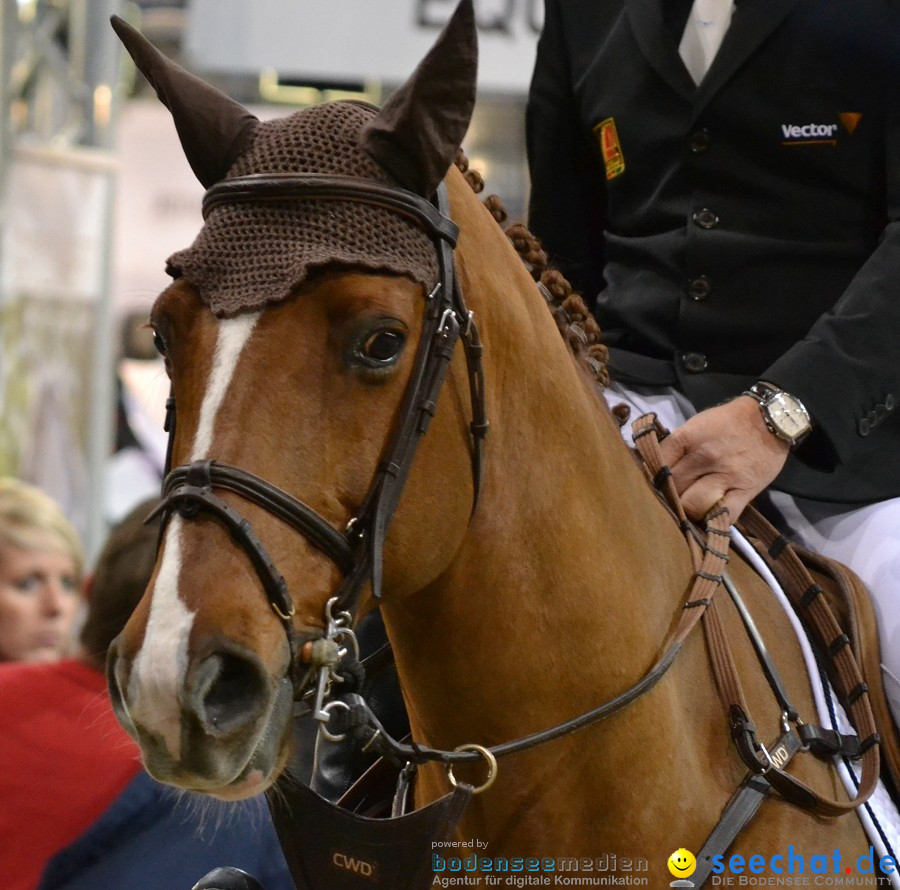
<point>222,729</point>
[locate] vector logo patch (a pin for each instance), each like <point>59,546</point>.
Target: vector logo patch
<point>809,134</point>
<point>814,133</point>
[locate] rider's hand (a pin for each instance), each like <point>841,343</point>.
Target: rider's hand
<point>724,452</point>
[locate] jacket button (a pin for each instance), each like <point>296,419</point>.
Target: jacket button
<point>699,141</point>
<point>889,402</point>
<point>706,219</point>
<point>695,362</point>
<point>699,288</point>
<point>864,428</point>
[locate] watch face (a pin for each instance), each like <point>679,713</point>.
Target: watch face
<point>788,415</point>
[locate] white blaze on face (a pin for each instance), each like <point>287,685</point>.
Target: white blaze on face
<point>233,336</point>
<point>159,668</point>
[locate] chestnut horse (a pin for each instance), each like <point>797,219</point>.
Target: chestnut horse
<point>558,591</point>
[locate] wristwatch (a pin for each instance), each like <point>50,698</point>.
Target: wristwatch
<point>784,414</point>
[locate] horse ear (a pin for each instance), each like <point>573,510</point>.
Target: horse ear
<point>416,135</point>
<point>213,128</point>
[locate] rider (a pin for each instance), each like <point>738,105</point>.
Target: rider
<point>737,229</point>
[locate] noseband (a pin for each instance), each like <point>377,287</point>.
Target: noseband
<point>358,550</point>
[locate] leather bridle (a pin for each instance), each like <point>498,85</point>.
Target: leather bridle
<point>358,550</point>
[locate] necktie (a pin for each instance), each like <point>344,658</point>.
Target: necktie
<point>706,26</point>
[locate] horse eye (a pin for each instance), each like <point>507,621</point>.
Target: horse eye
<point>383,347</point>
<point>159,343</point>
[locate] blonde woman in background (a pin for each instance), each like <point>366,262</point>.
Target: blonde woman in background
<point>41,566</point>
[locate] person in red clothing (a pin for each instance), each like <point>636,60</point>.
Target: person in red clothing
<point>77,811</point>
<point>63,756</point>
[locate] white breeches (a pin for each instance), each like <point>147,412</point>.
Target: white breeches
<point>867,539</point>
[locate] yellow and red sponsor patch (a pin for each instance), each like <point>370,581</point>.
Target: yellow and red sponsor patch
<point>610,148</point>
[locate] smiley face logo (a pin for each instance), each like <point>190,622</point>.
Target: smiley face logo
<point>682,863</point>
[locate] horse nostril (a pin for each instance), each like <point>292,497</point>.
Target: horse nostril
<point>229,692</point>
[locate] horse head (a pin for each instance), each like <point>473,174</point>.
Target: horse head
<point>305,332</point>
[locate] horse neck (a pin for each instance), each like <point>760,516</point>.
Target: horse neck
<point>562,596</point>
<point>568,553</point>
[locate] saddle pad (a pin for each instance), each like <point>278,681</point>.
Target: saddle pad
<point>879,815</point>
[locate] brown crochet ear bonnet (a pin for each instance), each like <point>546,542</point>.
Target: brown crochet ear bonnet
<point>249,255</point>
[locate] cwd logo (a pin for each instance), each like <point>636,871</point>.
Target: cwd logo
<point>780,756</point>
<point>356,866</point>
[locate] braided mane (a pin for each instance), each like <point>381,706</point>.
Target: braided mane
<point>577,325</point>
